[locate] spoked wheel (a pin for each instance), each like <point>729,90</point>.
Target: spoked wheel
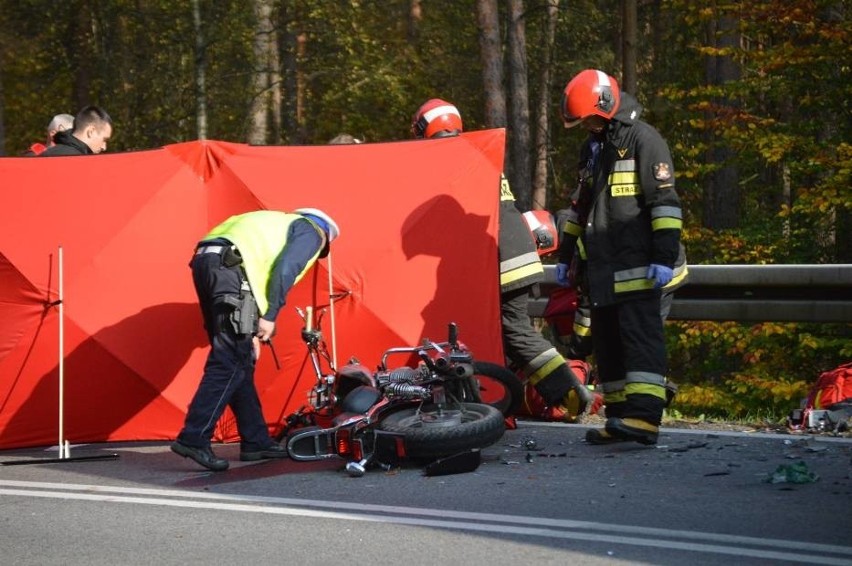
<point>431,431</point>
<point>499,387</point>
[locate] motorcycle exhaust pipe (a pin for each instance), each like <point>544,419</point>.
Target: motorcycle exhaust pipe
<point>447,367</point>
<point>464,370</point>
<point>357,469</point>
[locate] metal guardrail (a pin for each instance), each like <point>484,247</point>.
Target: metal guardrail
<point>752,293</point>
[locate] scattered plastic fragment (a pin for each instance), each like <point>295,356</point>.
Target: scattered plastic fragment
<point>793,473</point>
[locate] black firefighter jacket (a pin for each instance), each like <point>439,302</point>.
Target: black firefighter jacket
<point>520,265</point>
<point>628,214</point>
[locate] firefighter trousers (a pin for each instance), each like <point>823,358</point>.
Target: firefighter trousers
<point>630,353</point>
<point>538,359</point>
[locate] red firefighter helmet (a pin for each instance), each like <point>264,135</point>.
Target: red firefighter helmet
<point>543,230</point>
<point>589,93</point>
<point>436,117</point>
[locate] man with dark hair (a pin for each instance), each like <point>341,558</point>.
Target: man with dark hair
<point>91,132</point>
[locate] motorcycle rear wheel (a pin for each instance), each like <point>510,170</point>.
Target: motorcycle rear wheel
<point>432,433</point>
<point>499,387</point>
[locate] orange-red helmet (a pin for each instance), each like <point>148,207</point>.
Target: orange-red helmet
<point>590,93</point>
<point>543,231</point>
<point>436,117</point>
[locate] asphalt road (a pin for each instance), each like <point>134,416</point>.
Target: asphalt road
<point>540,496</point>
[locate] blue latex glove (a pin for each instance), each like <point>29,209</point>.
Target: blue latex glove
<point>660,274</point>
<point>562,276</point>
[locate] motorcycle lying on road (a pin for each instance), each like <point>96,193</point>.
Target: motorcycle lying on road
<point>382,418</point>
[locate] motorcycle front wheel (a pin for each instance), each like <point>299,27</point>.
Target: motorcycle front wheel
<point>499,387</point>
<point>435,432</point>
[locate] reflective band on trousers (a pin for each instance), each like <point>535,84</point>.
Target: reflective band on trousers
<point>582,324</point>
<point>634,377</point>
<point>635,389</point>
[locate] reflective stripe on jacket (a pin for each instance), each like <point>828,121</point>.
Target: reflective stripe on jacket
<point>628,215</point>
<point>520,265</point>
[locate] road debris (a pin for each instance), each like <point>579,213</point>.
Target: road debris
<point>793,473</point>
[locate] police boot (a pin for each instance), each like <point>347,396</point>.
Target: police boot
<point>632,429</point>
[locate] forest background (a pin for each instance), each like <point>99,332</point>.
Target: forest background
<point>753,98</point>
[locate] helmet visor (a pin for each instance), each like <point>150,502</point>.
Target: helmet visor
<point>568,118</point>
<point>571,121</point>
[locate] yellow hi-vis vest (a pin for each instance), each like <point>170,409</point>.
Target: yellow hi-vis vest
<point>259,236</point>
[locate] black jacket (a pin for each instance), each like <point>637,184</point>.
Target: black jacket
<point>627,214</point>
<point>66,144</point>
<point>520,265</point>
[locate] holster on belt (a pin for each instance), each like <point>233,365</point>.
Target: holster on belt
<point>242,310</point>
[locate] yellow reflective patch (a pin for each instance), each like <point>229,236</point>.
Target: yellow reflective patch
<point>546,370</point>
<point>623,178</point>
<point>505,189</point>
<point>624,190</point>
<point>520,273</point>
<point>581,330</point>
<point>616,397</point>
<point>634,285</point>
<point>666,224</point>
<point>677,279</point>
<point>645,389</point>
<point>572,229</point>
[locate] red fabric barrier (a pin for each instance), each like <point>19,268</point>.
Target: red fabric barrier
<point>417,250</point>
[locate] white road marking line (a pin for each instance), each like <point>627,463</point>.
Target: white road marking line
<point>516,525</point>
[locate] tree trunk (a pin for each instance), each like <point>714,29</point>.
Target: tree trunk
<point>628,46</point>
<point>200,67</point>
<point>261,103</point>
<point>415,16</point>
<point>289,70</point>
<point>301,91</point>
<point>518,170</point>
<point>721,188</point>
<point>79,53</point>
<point>542,141</point>
<point>492,63</point>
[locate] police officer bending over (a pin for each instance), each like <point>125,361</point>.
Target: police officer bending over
<point>245,267</point>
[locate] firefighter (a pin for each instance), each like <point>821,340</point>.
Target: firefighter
<point>625,224</point>
<point>520,271</point>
